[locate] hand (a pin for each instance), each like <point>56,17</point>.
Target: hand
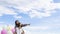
<point>28,24</point>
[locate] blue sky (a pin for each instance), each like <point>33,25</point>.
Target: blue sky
<point>43,15</point>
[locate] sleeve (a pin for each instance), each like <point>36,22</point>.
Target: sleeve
<point>23,25</point>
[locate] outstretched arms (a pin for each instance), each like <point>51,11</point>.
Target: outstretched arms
<point>23,25</point>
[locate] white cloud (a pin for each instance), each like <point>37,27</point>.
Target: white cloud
<point>37,28</point>
<point>41,29</point>
<point>4,10</point>
<point>35,13</point>
<point>31,7</point>
<point>57,5</point>
<point>17,17</point>
<point>27,32</point>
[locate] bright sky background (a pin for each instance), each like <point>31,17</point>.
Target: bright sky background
<point>43,15</point>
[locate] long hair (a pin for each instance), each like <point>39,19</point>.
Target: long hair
<point>17,25</point>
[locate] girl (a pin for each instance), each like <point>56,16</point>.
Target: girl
<point>18,27</point>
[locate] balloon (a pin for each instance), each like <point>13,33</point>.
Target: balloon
<point>4,31</point>
<point>8,28</point>
<point>13,30</point>
<point>9,32</point>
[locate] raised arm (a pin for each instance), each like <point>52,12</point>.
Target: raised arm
<point>23,25</point>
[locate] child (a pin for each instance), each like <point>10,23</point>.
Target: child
<point>18,27</point>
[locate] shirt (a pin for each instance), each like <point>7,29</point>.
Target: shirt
<point>18,31</point>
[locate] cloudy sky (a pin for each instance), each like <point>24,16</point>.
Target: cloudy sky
<point>43,15</point>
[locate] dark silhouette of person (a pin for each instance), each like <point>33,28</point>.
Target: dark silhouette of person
<point>18,27</point>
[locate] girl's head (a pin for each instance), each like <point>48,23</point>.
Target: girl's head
<point>17,23</point>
